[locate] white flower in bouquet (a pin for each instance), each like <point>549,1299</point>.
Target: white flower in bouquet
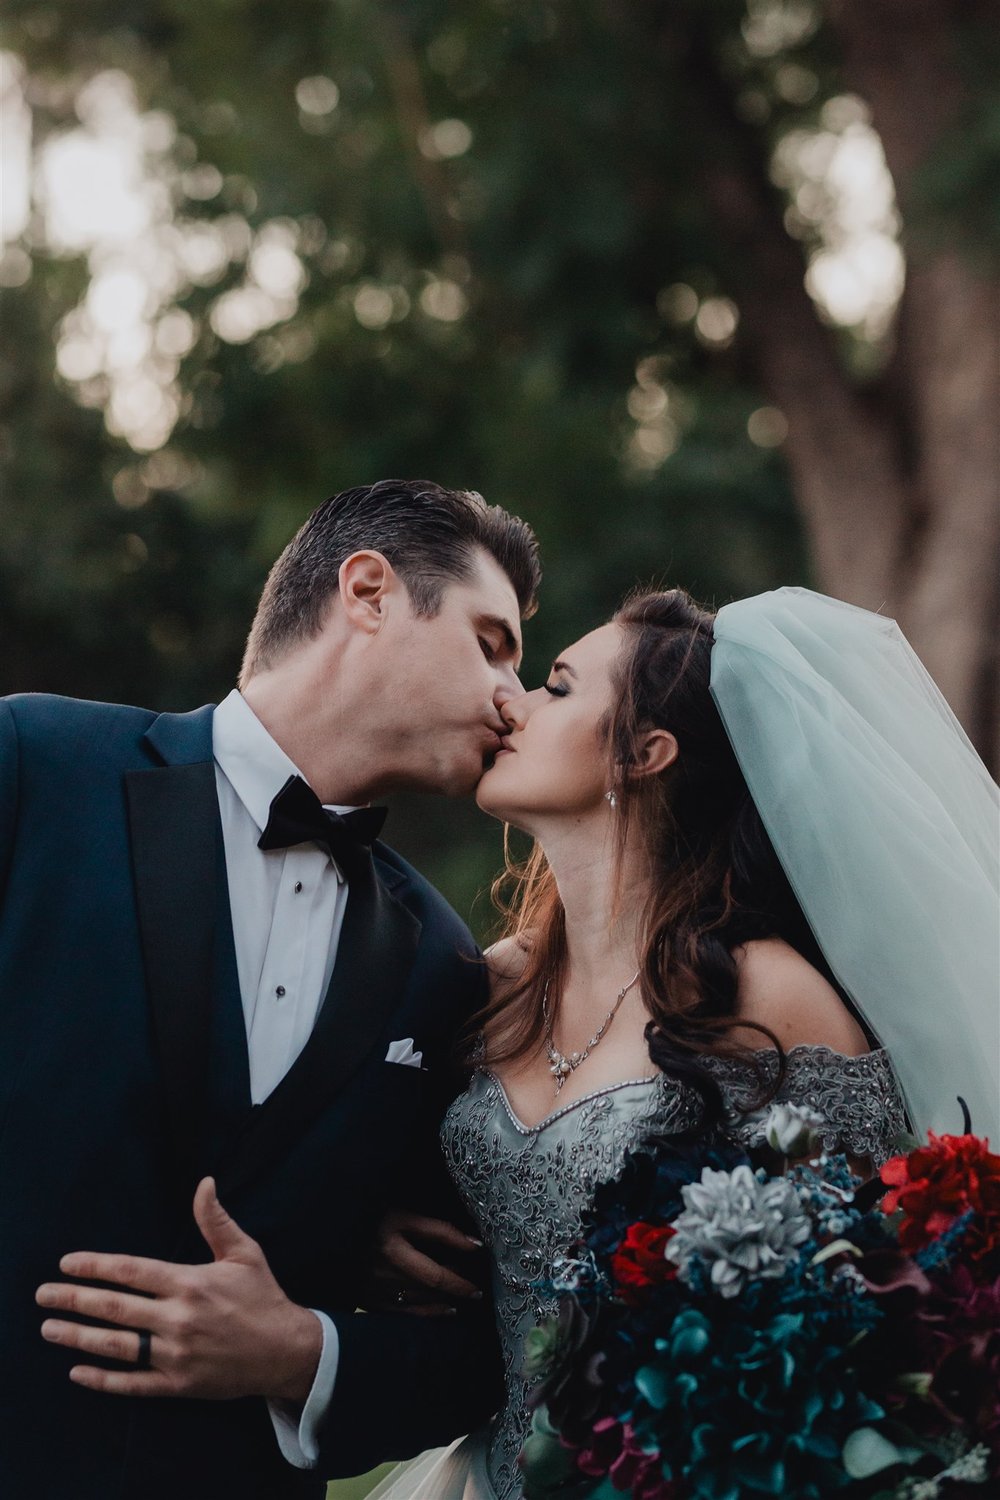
<point>739,1226</point>
<point>572,1273</point>
<point>793,1130</point>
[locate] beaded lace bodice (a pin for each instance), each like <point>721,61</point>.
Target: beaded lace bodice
<point>528,1189</point>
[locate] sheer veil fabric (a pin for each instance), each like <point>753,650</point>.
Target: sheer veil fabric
<point>457,1472</point>
<point>887,825</point>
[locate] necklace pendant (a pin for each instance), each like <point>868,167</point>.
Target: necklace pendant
<point>561,1066</point>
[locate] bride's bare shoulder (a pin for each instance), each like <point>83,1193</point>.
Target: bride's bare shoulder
<point>778,988</point>
<point>505,962</point>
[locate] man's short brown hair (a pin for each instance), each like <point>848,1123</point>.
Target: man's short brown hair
<point>428,534</point>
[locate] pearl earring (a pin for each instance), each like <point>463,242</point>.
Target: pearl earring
<point>611,798</point>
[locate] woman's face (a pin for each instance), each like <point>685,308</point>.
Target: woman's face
<point>556,763</point>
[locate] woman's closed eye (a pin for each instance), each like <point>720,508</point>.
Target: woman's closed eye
<point>556,689</point>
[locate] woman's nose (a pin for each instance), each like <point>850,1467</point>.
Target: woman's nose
<point>515,709</point>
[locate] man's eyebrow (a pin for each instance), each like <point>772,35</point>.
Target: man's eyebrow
<point>563,666</point>
<point>510,640</point>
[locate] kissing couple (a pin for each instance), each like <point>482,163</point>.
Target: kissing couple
<point>220,986</point>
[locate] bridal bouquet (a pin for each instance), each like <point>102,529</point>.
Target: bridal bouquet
<point>725,1333</point>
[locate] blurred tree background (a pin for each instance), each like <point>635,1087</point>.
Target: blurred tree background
<point>706,289</point>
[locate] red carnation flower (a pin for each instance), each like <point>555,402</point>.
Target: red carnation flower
<point>615,1451</point>
<point>640,1262</point>
<point>937,1183</point>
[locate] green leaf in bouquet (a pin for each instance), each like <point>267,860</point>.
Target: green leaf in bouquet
<point>605,1491</point>
<point>541,1349</point>
<point>869,1410</point>
<point>916,1383</point>
<point>654,1385</point>
<point>549,1467</point>
<point>820,1444</point>
<point>868,1452</point>
<point>812,1405</point>
<point>690,1336</point>
<point>759,1471</point>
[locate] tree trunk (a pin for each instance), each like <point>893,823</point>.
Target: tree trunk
<point>899,55</point>
<point>899,485</point>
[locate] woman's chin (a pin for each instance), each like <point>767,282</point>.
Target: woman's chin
<point>492,799</point>
<point>488,802</point>
<point>500,794</point>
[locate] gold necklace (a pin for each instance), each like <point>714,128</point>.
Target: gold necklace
<point>561,1066</point>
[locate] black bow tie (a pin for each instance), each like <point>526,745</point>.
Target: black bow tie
<point>297,816</point>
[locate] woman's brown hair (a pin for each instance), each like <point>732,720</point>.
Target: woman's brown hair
<point>714,880</point>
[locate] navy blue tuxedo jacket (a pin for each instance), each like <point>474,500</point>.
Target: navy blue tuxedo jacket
<point>124,1079</point>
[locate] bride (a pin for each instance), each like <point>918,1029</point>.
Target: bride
<point>681,774</point>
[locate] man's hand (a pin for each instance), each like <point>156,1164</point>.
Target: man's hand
<point>407,1277</point>
<point>217,1331</point>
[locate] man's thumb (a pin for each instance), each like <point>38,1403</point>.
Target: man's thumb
<point>223,1235</point>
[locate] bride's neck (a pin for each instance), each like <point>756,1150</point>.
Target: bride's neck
<point>602,903</point>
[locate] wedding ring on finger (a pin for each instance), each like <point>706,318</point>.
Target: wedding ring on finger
<point>144,1358</point>
<point>401,1297</point>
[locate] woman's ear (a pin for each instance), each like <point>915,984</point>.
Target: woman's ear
<point>656,751</point>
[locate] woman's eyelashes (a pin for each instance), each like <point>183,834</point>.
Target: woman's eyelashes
<point>556,689</point>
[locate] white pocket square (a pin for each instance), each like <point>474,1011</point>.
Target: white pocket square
<point>402,1052</point>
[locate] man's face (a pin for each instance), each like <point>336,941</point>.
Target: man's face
<point>451,676</point>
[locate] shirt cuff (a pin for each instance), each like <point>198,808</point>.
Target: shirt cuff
<point>297,1432</point>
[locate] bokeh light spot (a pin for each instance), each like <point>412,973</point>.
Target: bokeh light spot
<point>767,427</point>
<point>317,96</point>
<point>444,300</point>
<point>446,139</point>
<point>716,322</point>
<point>373,306</point>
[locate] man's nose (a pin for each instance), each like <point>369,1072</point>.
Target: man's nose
<point>508,686</point>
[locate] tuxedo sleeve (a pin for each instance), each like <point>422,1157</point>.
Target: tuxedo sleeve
<point>405,1384</point>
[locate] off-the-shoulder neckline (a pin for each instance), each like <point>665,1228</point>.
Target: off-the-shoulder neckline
<point>658,1077</point>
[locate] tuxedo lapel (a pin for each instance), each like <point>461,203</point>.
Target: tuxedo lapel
<point>179,865</point>
<point>176,835</point>
<point>229,1080</point>
<point>378,942</point>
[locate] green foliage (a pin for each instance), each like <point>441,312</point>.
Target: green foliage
<point>556,225</point>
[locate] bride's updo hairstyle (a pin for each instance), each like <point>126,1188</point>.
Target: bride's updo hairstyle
<point>714,879</point>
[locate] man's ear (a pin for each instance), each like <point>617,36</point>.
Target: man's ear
<point>657,750</point>
<point>365,580</point>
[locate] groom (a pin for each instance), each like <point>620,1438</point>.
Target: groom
<point>209,964</point>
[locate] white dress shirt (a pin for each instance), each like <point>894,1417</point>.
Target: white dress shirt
<point>287,904</point>
<point>287,910</point>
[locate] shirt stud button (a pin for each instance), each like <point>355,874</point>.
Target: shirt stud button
<point>298,887</point>
<point>279,991</point>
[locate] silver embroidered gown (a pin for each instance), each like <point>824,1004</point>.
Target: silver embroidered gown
<point>528,1189</point>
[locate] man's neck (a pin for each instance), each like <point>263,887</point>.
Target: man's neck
<point>321,733</point>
